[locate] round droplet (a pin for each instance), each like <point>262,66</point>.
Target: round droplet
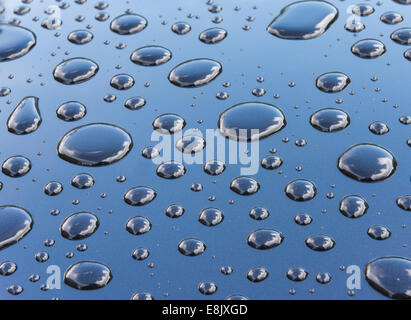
<point>41,256</point>
<point>211,217</point>
<point>320,242</point>
<point>96,144</point>
<point>140,254</point>
<point>378,127</point>
<point>87,275</point>
<point>7,268</point>
<point>16,166</point>
<point>181,27</point>
<point>367,162</point>
<point>354,26</point>
<point>323,277</point>
<point>4,91</point>
<point>402,36</point>
<point>25,118</point>
<point>122,82</point>
<point>191,247</point>
<point>207,287</point>
<point>257,274</point>
<point>300,190</point>
<point>329,120</point>
<point>175,211</point>
<point>303,20</point>
<point>353,206</point>
<point>303,219</point>
<point>15,289</point>
<point>53,188</point>
<point>80,37</point>
<point>404,202</point>
<point>82,181</point>
<point>128,24</point>
<point>171,170</point>
<point>259,213</point>
<point>368,48</point>
<point>135,103</point>
<point>332,82</point>
<point>75,70</point>
<point>169,123</point>
<point>391,17</point>
<point>151,56</point>
<point>52,22</point>
<point>213,35</point>
<point>79,226</point>
<point>195,73</point>
<point>244,186</point>
<point>139,196</point>
<point>214,167</point>
<point>142,296</point>
<point>15,41</point>
<point>264,239</point>
<point>378,232</point>
<point>138,225</point>
<point>251,121</point>
<point>150,152</point>
<point>71,111</point>
<point>390,276</point>
<point>271,162</point>
<point>297,274</point>
<point>363,9</point>
<point>15,223</point>
<point>190,144</point>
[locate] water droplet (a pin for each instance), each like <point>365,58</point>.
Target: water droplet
<point>207,288</point>
<point>151,56</point>
<point>363,9</point>
<point>75,70</point>
<point>4,91</point>
<point>303,20</point>
<point>259,213</point>
<point>96,144</point>
<point>16,166</point>
<point>142,296</point>
<point>181,27</point>
<point>367,162</point>
<point>135,103</point>
<point>378,127</point>
<point>402,36</point>
<point>169,123</point>
<point>71,111</point>
<point>7,268</point>
<point>257,274</point>
<point>140,254</point>
<point>191,247</point>
<point>391,17</point>
<point>213,35</point>
<point>15,223</point>
<point>332,82</point>
<point>138,225</point>
<point>87,275</point>
<point>171,170</point>
<point>15,289</point>
<point>214,167</point>
<point>79,225</point>
<point>300,190</point>
<point>41,256</point>
<point>53,188</point>
<point>190,144</point>
<point>320,242</point>
<point>323,277</point>
<point>150,152</point>
<point>236,297</point>
<point>303,219</point>
<point>404,202</point>
<point>52,23</point>
<point>264,239</point>
<point>15,42</point>
<point>353,206</point>
<point>139,196</point>
<point>25,118</point>
<point>211,217</point>
<point>368,48</point>
<point>122,82</point>
<point>82,181</point>
<point>128,24</point>
<point>378,232</point>
<point>297,274</point>
<point>175,211</point>
<point>354,26</point>
<point>407,54</point>
<point>244,186</point>
<point>195,73</point>
<point>251,121</point>
<point>329,120</point>
<point>80,36</point>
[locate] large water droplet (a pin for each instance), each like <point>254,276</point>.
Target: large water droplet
<point>138,225</point>
<point>244,186</point>
<point>300,190</point>
<point>264,239</point>
<point>80,36</point>
<point>391,17</point>
<point>128,24</point>
<point>82,181</point>
<point>320,242</point>
<point>211,217</point>
<point>404,202</point>
<point>139,196</point>
<point>251,121</point>
<point>71,111</point>
<point>169,123</point>
<point>15,223</point>
<point>363,9</point>
<point>303,20</point>
<point>329,120</point>
<point>75,70</point>
<point>171,170</point>
<point>79,226</point>
<point>87,275</point>
<point>195,73</point>
<point>332,82</point>
<point>367,162</point>
<point>402,36</point>
<point>353,206</point>
<point>15,41</point>
<point>25,118</point>
<point>378,232</point>
<point>151,56</point>
<point>213,35</point>
<point>368,48</point>
<point>191,247</point>
<point>16,166</point>
<point>96,144</point>
<point>122,81</point>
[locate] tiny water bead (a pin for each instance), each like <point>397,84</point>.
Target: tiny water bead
<point>15,223</point>
<point>140,254</point>
<point>195,73</point>
<point>181,28</point>
<point>259,213</point>
<point>367,163</point>
<point>75,71</point>
<point>80,36</point>
<point>379,128</point>
<point>213,35</point>
<point>150,152</point>
<point>87,275</point>
<point>320,242</point>
<point>207,288</point>
<point>96,144</point>
<point>71,111</point>
<point>303,20</point>
<point>363,9</point>
<point>390,276</point>
<point>251,121</point>
<point>271,162</point>
<point>135,103</point>
<point>297,274</point>
<point>329,120</point>
<point>263,239</point>
<point>332,82</point>
<point>303,219</point>
<point>16,166</point>
<point>391,17</point>
<point>122,82</point>
<point>404,202</point>
<point>214,167</point>
<point>151,56</point>
<point>257,274</point>
<point>79,225</point>
<point>368,48</point>
<point>244,186</point>
<point>211,217</point>
<point>171,170</point>
<point>169,123</point>
<point>402,36</point>
<point>25,118</point>
<point>139,196</point>
<point>378,232</point>
<point>138,225</point>
<point>15,42</point>
<point>190,144</point>
<point>174,211</point>
<point>191,247</point>
<point>53,188</point>
<point>82,181</point>
<point>7,268</point>
<point>127,24</point>
<point>353,206</point>
<point>300,190</point>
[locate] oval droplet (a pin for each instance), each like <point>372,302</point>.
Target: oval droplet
<point>15,41</point>
<point>128,24</point>
<point>75,71</point>
<point>402,36</point>
<point>171,170</point>
<point>404,202</point>
<point>169,123</point>
<point>71,111</point>
<point>190,144</point>
<point>25,118</point>
<point>213,35</point>
<point>368,48</point>
<point>320,242</point>
<point>80,36</point>
<point>211,217</point>
<point>191,247</point>
<point>330,120</point>
<point>378,232</point>
<point>301,190</point>
<point>82,181</point>
<point>391,17</point>
<point>15,223</point>
<point>353,206</point>
<point>138,225</point>
<point>332,82</point>
<point>79,225</point>
<point>87,275</point>
<point>151,56</point>
<point>16,166</point>
<point>214,167</point>
<point>244,186</point>
<point>263,239</point>
<point>122,82</point>
<point>139,196</point>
